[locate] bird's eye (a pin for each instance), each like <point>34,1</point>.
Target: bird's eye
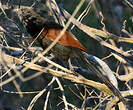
<point>22,13</point>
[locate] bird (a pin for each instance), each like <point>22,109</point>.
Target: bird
<point>67,46</point>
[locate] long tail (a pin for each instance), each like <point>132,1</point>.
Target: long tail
<point>96,68</point>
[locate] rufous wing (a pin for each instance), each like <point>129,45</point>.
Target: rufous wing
<point>68,39</point>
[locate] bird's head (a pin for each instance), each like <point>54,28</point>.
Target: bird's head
<point>27,15</point>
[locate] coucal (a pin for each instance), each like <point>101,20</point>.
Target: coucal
<point>68,46</point>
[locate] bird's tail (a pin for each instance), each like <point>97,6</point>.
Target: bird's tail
<point>93,64</point>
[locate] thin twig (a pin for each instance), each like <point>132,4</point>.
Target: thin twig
<point>39,94</point>
<point>63,93</point>
<point>46,101</point>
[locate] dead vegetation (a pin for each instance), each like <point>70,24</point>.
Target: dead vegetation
<point>31,78</point>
